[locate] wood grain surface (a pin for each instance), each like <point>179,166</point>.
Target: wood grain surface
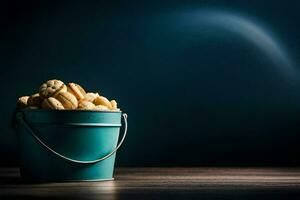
<point>164,183</point>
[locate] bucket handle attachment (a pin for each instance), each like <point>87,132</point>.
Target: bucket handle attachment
<point>20,118</point>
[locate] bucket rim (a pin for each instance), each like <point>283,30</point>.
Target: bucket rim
<point>82,117</point>
<point>60,111</point>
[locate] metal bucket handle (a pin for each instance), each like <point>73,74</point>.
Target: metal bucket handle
<point>19,117</point>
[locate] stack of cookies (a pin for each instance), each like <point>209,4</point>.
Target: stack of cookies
<point>54,94</point>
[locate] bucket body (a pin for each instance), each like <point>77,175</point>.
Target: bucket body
<point>81,136</point>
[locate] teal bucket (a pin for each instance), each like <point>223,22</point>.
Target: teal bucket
<point>68,145</point>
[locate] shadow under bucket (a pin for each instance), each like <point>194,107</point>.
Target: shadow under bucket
<point>68,145</point>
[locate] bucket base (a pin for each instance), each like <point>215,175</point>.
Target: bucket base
<point>67,181</point>
<point>59,171</point>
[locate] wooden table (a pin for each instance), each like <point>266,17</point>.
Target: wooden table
<point>164,183</point>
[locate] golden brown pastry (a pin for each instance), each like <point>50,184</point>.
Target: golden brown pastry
<point>34,100</point>
<point>54,94</point>
<point>22,101</point>
<point>85,105</point>
<point>114,104</point>
<point>101,100</point>
<point>76,90</point>
<point>101,108</point>
<point>51,88</point>
<point>90,96</point>
<point>67,99</point>
<point>52,103</point>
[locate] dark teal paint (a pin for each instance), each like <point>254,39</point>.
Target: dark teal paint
<point>78,142</point>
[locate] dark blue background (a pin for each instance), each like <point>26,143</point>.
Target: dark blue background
<point>195,94</point>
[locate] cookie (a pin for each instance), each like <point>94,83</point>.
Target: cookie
<point>22,101</point>
<point>101,108</point>
<point>101,100</point>
<point>54,94</point>
<point>76,90</point>
<point>90,96</point>
<point>114,104</point>
<point>51,88</point>
<point>67,99</point>
<point>34,100</point>
<point>85,105</point>
<point>52,103</point>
